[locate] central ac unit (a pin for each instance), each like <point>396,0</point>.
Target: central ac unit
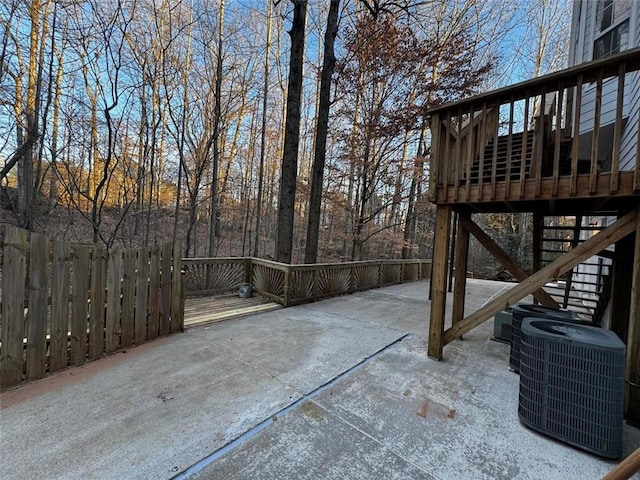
<point>522,310</point>
<point>572,384</point>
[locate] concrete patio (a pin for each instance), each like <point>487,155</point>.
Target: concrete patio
<point>340,388</point>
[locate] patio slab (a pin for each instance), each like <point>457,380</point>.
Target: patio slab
<point>267,396</point>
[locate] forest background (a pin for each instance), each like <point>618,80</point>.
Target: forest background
<point>131,122</point>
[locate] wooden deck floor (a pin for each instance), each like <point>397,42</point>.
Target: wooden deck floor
<point>198,311</point>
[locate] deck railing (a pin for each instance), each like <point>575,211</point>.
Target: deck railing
<point>563,135</point>
<point>296,284</point>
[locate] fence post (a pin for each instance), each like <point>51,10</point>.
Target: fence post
<point>316,282</point>
<point>352,283</point>
<point>177,290</point>
<point>287,287</point>
<point>248,270</point>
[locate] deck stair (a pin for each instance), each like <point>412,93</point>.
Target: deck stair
<point>587,287</point>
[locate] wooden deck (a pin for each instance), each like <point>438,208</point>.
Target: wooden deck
<point>202,310</point>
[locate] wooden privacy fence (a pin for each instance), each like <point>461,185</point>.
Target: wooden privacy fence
<point>64,304</point>
<point>296,284</point>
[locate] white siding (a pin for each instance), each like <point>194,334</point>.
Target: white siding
<point>630,135</point>
<point>586,29</point>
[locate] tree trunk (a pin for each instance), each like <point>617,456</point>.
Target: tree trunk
<point>410,224</point>
<point>213,206</point>
<point>320,148</point>
<point>263,134</point>
<point>288,176</point>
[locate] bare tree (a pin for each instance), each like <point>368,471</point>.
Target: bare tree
<point>288,176</point>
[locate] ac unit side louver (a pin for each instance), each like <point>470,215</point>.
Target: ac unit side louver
<point>572,384</point>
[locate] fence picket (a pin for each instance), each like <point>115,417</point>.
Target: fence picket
<point>154,293</point>
<point>79,298</point>
<point>14,273</point>
<point>128,297</point>
<point>37,315</point>
<point>165,288</point>
<point>58,337</point>
<point>97,310</point>
<point>142,296</point>
<point>114,277</point>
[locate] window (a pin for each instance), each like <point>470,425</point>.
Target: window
<point>612,27</point>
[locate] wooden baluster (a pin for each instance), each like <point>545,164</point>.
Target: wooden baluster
<point>525,145</point>
<point>458,156</point>
<point>507,179</point>
<point>539,147</point>
<point>617,132</point>
<point>576,139</point>
<point>558,141</point>
<point>494,154</point>
<point>470,154</point>
<point>593,173</point>
<point>482,142</point>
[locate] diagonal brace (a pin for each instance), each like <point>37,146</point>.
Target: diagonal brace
<point>612,234</point>
<point>505,260</point>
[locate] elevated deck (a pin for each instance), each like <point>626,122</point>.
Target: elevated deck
<point>566,144</point>
<point>563,137</point>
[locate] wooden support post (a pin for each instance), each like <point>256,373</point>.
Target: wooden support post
<point>590,247</point>
<point>632,394</point>
<point>461,261</point>
<point>452,248</point>
<point>439,280</point>
<point>538,227</point>
<point>621,287</point>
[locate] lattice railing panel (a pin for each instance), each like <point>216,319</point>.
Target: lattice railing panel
<point>411,272</point>
<point>302,284</point>
<point>390,273</point>
<point>201,277</point>
<point>268,280</point>
<point>334,280</point>
<point>366,276</point>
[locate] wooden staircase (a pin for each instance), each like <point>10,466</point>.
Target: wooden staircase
<point>587,287</point>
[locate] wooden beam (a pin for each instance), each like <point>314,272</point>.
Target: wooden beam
<point>625,469</point>
<point>505,260</point>
<point>632,396</point>
<point>461,261</point>
<point>625,189</point>
<point>439,280</point>
<point>609,235</point>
